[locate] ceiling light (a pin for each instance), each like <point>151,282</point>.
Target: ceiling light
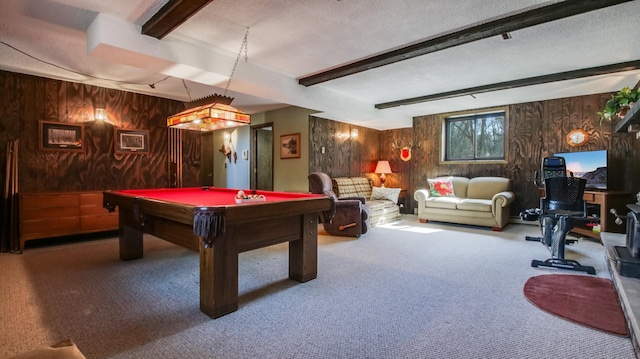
<point>209,114</point>
<point>213,112</point>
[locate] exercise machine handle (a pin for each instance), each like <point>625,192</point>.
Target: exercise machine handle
<point>618,217</point>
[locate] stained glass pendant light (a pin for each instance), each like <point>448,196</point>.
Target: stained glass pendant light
<point>212,112</point>
<point>209,113</point>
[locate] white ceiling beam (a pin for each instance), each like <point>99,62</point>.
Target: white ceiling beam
<point>116,40</point>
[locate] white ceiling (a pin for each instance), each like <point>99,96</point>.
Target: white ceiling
<point>101,43</point>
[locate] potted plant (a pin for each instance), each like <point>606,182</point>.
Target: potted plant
<point>619,103</point>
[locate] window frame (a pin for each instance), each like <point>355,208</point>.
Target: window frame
<point>474,114</point>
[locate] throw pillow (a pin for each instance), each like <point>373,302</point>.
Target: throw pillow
<point>441,187</point>
<point>391,194</point>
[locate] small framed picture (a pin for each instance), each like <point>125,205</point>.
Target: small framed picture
<point>57,136</point>
<point>290,146</point>
<point>131,141</point>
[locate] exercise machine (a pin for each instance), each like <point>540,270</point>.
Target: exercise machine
<point>561,209</point>
<point>627,257</point>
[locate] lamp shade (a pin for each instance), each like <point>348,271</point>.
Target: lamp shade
<point>100,114</point>
<point>383,167</point>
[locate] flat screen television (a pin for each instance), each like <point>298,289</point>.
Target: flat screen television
<point>591,165</point>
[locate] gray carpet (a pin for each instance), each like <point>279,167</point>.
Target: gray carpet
<point>407,290</point>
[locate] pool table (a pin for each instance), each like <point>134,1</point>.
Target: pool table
<point>210,222</point>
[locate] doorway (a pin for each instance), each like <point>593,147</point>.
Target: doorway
<point>262,157</point>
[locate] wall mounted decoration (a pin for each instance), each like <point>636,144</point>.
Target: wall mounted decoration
<point>57,136</point>
<point>405,153</point>
<point>577,138</point>
<point>131,141</point>
<point>290,146</point>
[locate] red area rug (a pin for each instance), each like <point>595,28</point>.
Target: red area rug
<point>590,301</point>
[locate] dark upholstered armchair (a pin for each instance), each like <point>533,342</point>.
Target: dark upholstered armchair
<point>348,216</point>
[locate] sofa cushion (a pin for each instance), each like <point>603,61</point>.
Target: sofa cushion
<point>352,187</point>
<point>390,194</point>
<point>460,186</point>
<point>441,187</point>
<point>487,187</point>
<point>471,204</point>
<point>378,205</point>
<point>383,211</point>
<point>442,202</point>
<point>362,186</point>
<point>344,187</point>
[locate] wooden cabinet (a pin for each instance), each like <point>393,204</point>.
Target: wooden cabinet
<point>45,215</point>
<point>602,202</point>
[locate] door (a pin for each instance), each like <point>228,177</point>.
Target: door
<point>262,157</point>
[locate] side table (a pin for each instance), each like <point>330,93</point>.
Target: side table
<point>402,201</point>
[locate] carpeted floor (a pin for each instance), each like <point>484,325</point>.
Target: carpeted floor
<point>407,290</point>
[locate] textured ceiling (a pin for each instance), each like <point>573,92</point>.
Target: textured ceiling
<point>100,42</point>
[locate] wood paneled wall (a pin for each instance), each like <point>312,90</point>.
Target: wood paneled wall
<point>25,100</point>
<point>343,155</point>
<point>536,129</point>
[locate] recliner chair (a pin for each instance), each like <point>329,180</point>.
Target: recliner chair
<point>348,216</point>
<point>562,208</point>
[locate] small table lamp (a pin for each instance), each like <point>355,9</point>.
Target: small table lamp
<point>383,168</point>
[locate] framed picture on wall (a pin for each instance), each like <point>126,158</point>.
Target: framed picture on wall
<point>131,141</point>
<point>57,136</point>
<point>290,146</point>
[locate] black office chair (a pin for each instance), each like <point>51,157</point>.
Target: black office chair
<point>561,209</point>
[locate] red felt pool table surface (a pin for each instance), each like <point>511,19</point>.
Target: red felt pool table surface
<point>210,196</point>
<point>210,222</point>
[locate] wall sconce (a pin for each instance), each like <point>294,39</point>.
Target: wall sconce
<point>383,169</point>
<point>100,114</point>
<point>354,133</point>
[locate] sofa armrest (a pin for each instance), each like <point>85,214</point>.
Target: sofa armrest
<point>348,203</point>
<point>501,200</point>
<point>361,199</point>
<point>421,195</point>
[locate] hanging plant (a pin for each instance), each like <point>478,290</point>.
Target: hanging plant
<point>619,103</point>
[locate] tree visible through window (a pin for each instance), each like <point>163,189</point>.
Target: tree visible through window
<point>475,137</point>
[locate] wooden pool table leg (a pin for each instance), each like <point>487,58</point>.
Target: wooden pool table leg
<point>130,238</point>
<point>219,276</point>
<point>303,253</point>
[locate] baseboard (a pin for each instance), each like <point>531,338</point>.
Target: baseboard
<point>518,220</point>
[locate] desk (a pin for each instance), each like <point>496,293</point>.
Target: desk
<point>208,221</point>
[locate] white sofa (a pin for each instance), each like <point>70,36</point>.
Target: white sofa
<point>479,201</point>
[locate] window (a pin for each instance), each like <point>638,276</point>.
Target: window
<point>478,137</point>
